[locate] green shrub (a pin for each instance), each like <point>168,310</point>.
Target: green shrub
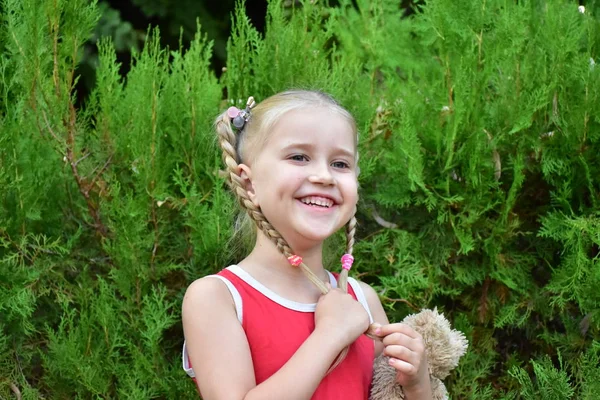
<point>480,130</point>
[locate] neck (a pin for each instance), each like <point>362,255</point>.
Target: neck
<point>265,255</point>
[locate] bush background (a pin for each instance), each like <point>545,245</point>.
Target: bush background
<point>480,129</point>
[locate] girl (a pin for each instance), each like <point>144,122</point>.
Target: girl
<point>276,325</point>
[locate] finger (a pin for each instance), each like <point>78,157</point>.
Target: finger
<point>398,338</point>
<point>328,289</point>
<point>416,345</point>
<point>401,328</point>
<point>403,366</point>
<point>374,330</point>
<point>402,353</point>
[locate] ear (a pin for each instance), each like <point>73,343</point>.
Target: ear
<point>245,173</point>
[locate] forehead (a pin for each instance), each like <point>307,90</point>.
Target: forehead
<point>321,127</point>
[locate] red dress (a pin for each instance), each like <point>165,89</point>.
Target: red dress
<point>273,344</point>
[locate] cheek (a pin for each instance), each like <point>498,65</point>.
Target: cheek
<point>287,181</point>
<point>353,199</point>
<point>263,194</point>
<point>276,185</point>
<point>258,190</point>
<point>351,191</point>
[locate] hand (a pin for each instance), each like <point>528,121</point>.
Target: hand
<point>406,350</point>
<point>341,317</point>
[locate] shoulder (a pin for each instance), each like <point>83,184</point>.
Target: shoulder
<point>216,343</point>
<point>374,303</point>
<point>207,286</point>
<point>369,292</point>
<point>204,293</point>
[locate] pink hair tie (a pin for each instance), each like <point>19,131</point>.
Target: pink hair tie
<point>347,261</point>
<point>295,260</point>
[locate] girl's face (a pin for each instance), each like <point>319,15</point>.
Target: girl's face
<point>305,177</point>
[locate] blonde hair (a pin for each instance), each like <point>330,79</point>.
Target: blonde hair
<point>268,112</point>
<point>238,148</point>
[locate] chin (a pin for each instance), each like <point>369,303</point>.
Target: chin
<point>316,236</point>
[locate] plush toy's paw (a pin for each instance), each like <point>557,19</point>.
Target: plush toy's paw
<point>444,345</point>
<point>438,389</point>
<point>384,386</point>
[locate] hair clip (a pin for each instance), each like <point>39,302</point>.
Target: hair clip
<point>240,117</point>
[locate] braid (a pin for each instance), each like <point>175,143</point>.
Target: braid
<point>228,142</point>
<point>350,231</point>
<point>343,277</point>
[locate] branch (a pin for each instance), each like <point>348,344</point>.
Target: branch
<point>483,301</point>
<point>15,390</point>
<point>54,29</point>
<point>99,174</point>
<point>408,303</point>
<point>82,158</point>
<point>18,44</point>
<point>152,182</point>
<point>50,127</point>
<point>83,188</point>
<point>496,158</point>
<point>381,221</point>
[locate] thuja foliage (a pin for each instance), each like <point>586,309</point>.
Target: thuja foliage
<point>479,137</point>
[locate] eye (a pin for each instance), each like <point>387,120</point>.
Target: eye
<point>340,164</point>
<point>298,157</point>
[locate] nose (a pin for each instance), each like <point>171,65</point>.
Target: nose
<point>321,174</point>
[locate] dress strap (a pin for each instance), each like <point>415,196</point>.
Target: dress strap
<point>360,296</point>
<point>237,299</point>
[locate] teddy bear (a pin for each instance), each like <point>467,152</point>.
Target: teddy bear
<point>444,347</point>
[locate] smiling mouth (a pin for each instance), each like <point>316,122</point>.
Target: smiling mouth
<point>317,201</point>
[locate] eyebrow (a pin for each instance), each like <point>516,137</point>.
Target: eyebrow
<point>310,146</point>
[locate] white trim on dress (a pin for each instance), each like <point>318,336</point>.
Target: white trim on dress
<point>292,305</point>
<point>360,296</point>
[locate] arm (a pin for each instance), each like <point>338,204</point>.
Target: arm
<point>302,374</point>
<point>406,350</point>
<point>220,354</point>
<point>377,312</point>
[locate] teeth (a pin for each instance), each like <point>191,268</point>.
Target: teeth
<point>318,201</point>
